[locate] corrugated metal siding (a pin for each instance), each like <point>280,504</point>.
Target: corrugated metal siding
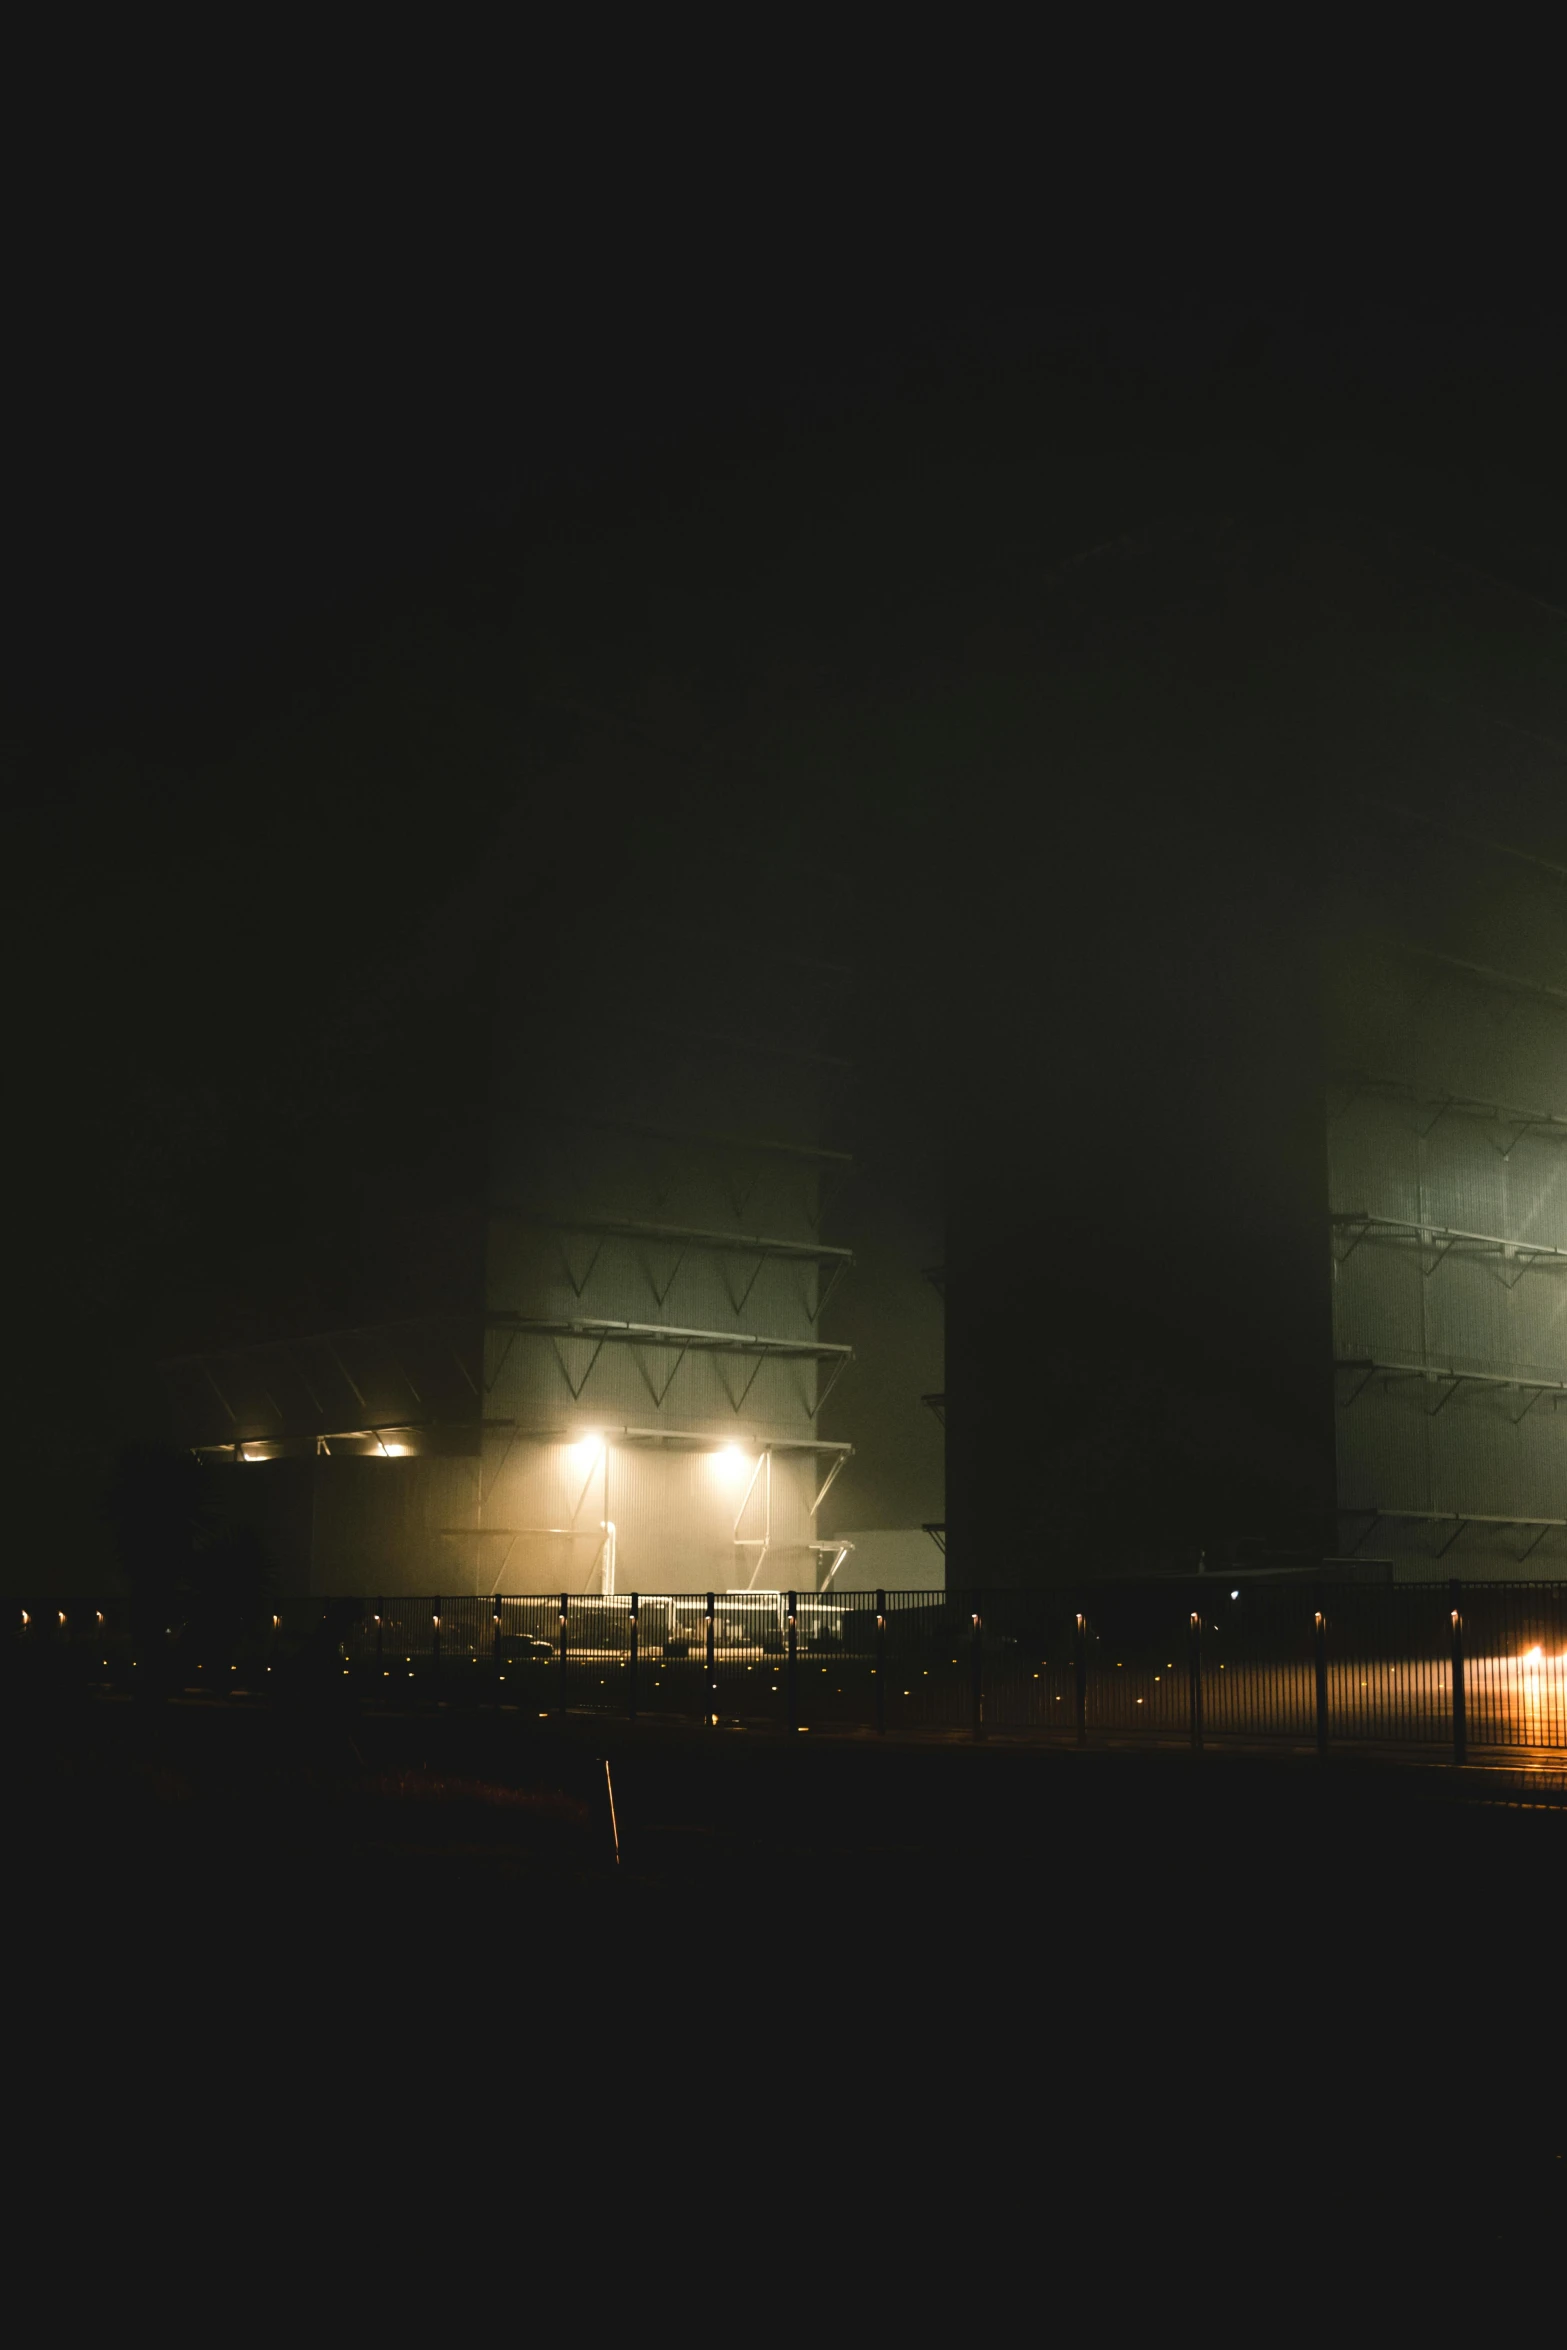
<point>674,1510</point>
<point>489,1486</point>
<point>1400,1146</point>
<point>566,1274</point>
<point>595,1059</point>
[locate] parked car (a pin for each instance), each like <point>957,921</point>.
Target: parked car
<point>515,1648</point>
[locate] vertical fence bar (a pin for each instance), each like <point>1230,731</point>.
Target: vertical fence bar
<point>1320,1642</point>
<point>560,1706</point>
<point>1460,1711</point>
<point>881,1664</point>
<point>435,1642</point>
<point>977,1669</point>
<point>792,1673</point>
<point>712,1660</point>
<point>380,1610</point>
<point>631,1662</point>
<point>1194,1680</point>
<point>1080,1677</point>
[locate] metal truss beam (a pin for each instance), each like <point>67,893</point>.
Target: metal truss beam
<point>830,1479</point>
<point>218,1392</point>
<point>737,1243</point>
<point>670,1334</point>
<point>760,1246</point>
<point>937,1530</point>
<point>706,1438</point>
<point>742,1343</point>
<point>1442,1238</point>
<point>1450,1378</point>
<point>840,1550</point>
<point>1458,1520</point>
<point>1521,1121</point>
<point>378,1429</point>
<point>746,1244</point>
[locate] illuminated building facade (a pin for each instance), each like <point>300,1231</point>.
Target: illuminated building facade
<point>1446,1084</point>
<point>1447,1174</point>
<point>620,1383</point>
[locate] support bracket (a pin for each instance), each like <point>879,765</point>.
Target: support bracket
<point>576,1386</point>
<point>657,1393</point>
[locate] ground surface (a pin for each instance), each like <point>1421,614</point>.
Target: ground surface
<point>872,1946</point>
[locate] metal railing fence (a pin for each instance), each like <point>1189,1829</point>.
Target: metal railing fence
<point>1450,1664</point>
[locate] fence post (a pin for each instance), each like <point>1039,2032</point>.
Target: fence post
<point>1460,1713</point>
<point>435,1643</point>
<point>792,1663</point>
<point>977,1666</point>
<point>712,1662</point>
<point>631,1665</point>
<point>881,1664</point>
<point>380,1610</point>
<point>1080,1677</point>
<point>1194,1679</point>
<point>1320,1637</point>
<point>560,1706</point>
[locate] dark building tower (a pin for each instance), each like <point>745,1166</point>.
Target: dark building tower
<point>1195,1313</point>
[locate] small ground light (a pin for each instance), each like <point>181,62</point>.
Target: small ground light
<point>1234,1595</point>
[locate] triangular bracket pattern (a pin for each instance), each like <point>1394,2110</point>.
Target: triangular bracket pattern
<point>499,1364</point>
<point>737,1403</point>
<point>595,1348</point>
<point>824,1289</point>
<point>658,1393</point>
<point>661,1292</point>
<point>739,1304</point>
<point>578,1276</point>
<point>741,1174</point>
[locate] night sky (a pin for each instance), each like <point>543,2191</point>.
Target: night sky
<point>1022,590</point>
